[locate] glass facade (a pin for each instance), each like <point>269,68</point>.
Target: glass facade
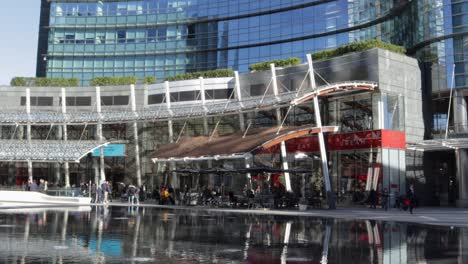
<point>167,37</point>
<point>163,38</point>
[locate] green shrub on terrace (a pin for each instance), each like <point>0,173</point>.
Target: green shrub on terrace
<point>204,74</point>
<point>149,80</point>
<point>263,66</point>
<point>358,46</point>
<point>56,82</point>
<point>45,82</point>
<point>18,81</point>
<point>113,81</point>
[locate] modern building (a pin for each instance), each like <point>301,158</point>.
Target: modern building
<point>367,109</point>
<point>85,39</point>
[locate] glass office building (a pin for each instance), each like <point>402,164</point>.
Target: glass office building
<point>89,38</point>
<point>85,39</point>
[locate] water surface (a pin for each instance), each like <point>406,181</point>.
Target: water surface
<point>150,235</point>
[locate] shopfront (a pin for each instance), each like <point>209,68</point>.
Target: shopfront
<point>358,163</point>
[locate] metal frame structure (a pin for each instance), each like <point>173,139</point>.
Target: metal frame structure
<point>65,150</point>
<point>49,150</point>
<point>179,111</point>
<point>439,145</point>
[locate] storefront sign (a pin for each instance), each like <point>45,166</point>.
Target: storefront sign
<point>113,150</point>
<point>347,141</point>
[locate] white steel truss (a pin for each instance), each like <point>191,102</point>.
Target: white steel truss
<point>47,150</point>
<point>179,111</point>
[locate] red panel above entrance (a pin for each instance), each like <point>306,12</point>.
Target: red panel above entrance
<point>347,141</point>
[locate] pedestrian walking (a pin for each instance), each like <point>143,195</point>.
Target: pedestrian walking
<point>106,190</point>
<point>131,194</point>
<point>385,199</point>
<point>93,193</point>
<point>411,198</point>
<point>373,199</point>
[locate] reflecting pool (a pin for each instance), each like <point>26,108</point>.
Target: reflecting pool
<point>150,235</point>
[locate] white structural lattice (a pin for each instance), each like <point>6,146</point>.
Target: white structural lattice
<point>46,150</point>
<point>158,113</point>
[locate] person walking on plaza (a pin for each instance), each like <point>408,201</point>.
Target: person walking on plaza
<point>411,198</point>
<point>385,199</point>
<point>131,194</point>
<point>93,193</point>
<point>105,190</point>
<point>373,199</point>
<point>33,186</point>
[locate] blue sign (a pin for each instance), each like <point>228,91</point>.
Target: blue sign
<point>113,150</point>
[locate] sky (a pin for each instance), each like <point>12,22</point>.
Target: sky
<point>19,27</point>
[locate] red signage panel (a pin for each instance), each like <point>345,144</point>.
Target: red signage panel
<point>346,141</point>
<point>393,139</point>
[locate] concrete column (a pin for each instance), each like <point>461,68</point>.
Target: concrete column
<point>460,112</point>
<point>284,153</point>
<point>102,174</point>
<point>323,151</point>
<point>239,97</point>
<point>135,137</point>
<point>461,156</point>
<point>28,131</point>
<point>65,138</point>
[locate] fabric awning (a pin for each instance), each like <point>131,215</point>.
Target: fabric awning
<point>234,145</point>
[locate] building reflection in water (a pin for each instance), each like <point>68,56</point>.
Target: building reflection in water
<point>135,234</point>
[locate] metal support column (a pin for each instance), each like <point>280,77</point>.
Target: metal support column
<point>102,174</point>
<point>239,98</point>
<point>248,165</point>
<point>28,131</point>
<point>172,165</point>
<point>58,172</point>
<point>65,138</point>
<point>284,153</point>
<point>242,125</point>
<point>323,151</point>
<point>206,130</point>
<point>135,136</point>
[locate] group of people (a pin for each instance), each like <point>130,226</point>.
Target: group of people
<point>32,186</point>
<point>401,202</point>
<point>101,193</point>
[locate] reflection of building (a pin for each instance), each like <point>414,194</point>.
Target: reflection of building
<point>158,235</point>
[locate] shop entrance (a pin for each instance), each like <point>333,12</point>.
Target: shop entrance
<point>441,183</point>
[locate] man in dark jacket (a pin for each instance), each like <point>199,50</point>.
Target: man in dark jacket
<point>411,198</point>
